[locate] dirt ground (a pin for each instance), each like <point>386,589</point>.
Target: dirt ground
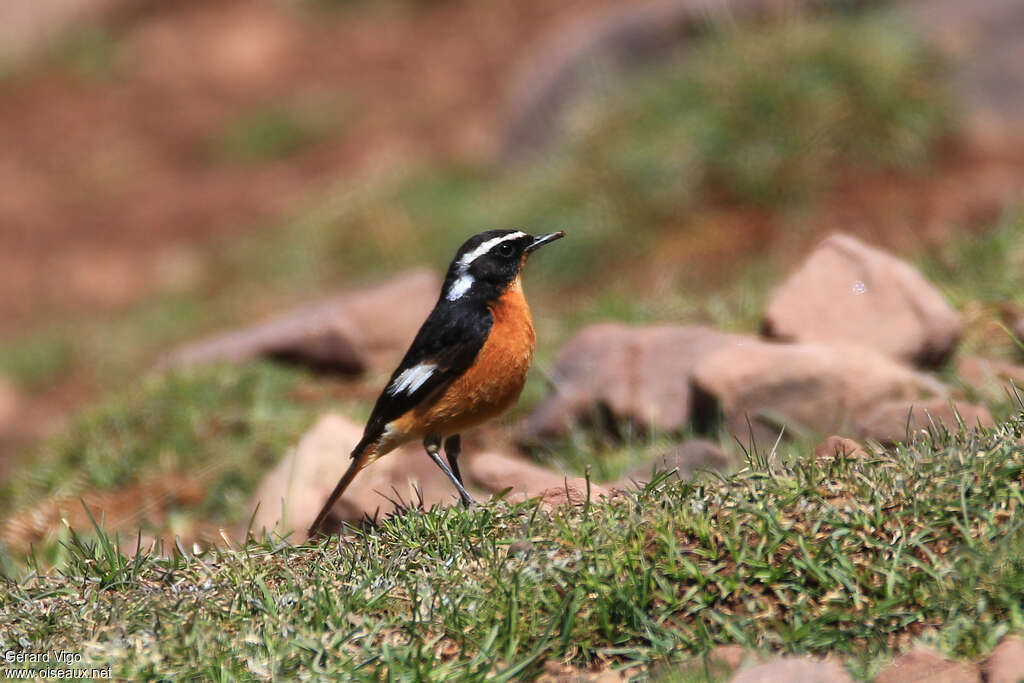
<point>107,175</point>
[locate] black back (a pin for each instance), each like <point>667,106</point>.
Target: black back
<point>457,327</point>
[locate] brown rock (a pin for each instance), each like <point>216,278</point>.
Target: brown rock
<point>302,481</point>
<point>610,373</point>
<point>849,293</point>
<point>992,378</point>
<point>925,666</point>
<point>898,420</point>
<point>496,472</point>
<point>792,669</point>
<point>1006,662</point>
<point>346,333</point>
<point>686,459</point>
<point>730,655</point>
<point>839,446</point>
<point>569,492</point>
<point>10,403</point>
<point>806,387</point>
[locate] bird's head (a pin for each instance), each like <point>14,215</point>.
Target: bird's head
<point>491,261</point>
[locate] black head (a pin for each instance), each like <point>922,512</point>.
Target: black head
<point>489,262</point>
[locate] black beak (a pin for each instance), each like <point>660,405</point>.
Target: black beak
<point>544,239</point>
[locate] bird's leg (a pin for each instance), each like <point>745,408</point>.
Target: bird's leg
<point>452,448</point>
<point>432,444</point>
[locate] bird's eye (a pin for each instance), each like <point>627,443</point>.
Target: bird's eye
<point>505,249</point>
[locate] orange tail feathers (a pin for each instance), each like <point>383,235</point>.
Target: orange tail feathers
<point>358,462</point>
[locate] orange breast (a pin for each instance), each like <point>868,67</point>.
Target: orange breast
<point>492,383</point>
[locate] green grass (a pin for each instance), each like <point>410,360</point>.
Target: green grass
<point>853,558</point>
<point>219,428</point>
<point>274,132</point>
<point>88,53</point>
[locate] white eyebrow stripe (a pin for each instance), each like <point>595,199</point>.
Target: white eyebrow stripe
<point>411,379</point>
<point>486,247</point>
<point>465,281</point>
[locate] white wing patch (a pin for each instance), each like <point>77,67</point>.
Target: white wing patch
<point>465,280</point>
<point>411,379</point>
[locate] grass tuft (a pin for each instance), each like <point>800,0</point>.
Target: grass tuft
<point>855,557</point>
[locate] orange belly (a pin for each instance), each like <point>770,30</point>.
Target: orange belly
<point>492,383</point>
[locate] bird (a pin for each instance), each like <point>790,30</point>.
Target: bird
<point>466,365</point>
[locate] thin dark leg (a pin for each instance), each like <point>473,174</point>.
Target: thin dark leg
<point>452,448</point>
<point>433,447</point>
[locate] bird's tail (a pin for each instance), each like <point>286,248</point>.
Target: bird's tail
<point>360,456</point>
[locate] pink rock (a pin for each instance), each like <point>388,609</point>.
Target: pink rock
<point>993,378</point>
<point>1006,662</point>
<point>686,459</point>
<point>926,666</point>
<point>900,420</point>
<point>839,447</point>
<point>792,669</point>
<point>291,494</point>
<point>496,472</point>
<point>849,293</point>
<point>610,373</point>
<point>346,333</point>
<point>570,492</point>
<point>806,387</point>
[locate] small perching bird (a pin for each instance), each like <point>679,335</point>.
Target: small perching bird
<point>466,365</point>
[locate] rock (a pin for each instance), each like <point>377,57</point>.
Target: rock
<point>569,492</point>
<point>496,472</point>
<point>686,459</point>
<point>980,43</point>
<point>993,378</point>
<point>611,373</point>
<point>602,48</point>
<point>807,387</point>
<point>849,293</point>
<point>790,669</point>
<point>1006,662</point>
<point>925,666</point>
<point>731,656</point>
<point>10,403</point>
<point>839,446</point>
<point>897,420</point>
<point>346,333</point>
<point>304,479</point>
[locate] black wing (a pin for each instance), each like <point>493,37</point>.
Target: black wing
<point>444,348</point>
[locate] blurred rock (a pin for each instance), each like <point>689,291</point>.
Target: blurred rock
<point>992,378</point>
<point>304,479</point>
<point>730,655</point>
<point>609,373</point>
<point>604,47</point>
<point>899,420</point>
<point>29,26</point>
<point>793,669</point>
<point>686,459</point>
<point>807,387</point>
<point>569,492</point>
<point>849,293</point>
<point>981,43</point>
<point>926,666</point>
<point>496,472</point>
<point>346,333</point>
<point>10,403</point>
<point>1006,662</point>
<point>839,447</point>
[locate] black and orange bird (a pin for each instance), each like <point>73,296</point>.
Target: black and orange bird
<point>466,365</point>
